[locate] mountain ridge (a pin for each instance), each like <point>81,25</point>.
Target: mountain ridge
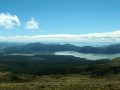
<point>40,47</point>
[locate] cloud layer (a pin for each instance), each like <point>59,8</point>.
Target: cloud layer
<point>8,21</point>
<point>94,37</point>
<point>32,24</point>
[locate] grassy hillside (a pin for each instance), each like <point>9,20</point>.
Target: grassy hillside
<point>64,82</point>
<point>115,62</point>
<point>110,68</point>
<point>52,72</point>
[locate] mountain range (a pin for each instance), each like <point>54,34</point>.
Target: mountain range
<point>40,47</point>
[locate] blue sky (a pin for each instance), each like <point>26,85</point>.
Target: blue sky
<point>59,17</point>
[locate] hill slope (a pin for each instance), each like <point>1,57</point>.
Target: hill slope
<point>115,62</point>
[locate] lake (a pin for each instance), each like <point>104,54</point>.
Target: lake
<point>88,56</point>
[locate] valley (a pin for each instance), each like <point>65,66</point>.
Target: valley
<point>43,67</point>
<point>59,45</point>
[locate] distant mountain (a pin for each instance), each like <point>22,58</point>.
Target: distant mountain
<point>40,47</point>
<point>109,49</point>
<point>9,44</point>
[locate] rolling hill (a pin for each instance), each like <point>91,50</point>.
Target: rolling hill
<point>115,62</point>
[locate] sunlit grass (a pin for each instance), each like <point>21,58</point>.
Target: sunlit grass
<point>67,82</point>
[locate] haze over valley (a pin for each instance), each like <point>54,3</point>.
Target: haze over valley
<point>59,44</point>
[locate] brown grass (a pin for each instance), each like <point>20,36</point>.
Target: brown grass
<point>67,82</point>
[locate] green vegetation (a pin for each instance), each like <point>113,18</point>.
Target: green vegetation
<point>35,71</point>
<point>51,72</point>
<point>46,64</point>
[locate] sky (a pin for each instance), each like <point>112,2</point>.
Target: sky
<point>60,20</point>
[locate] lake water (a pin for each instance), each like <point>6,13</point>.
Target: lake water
<point>88,56</point>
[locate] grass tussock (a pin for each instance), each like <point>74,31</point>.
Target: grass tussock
<point>64,82</point>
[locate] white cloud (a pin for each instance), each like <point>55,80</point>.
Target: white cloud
<point>94,37</point>
<point>32,24</point>
<point>8,21</point>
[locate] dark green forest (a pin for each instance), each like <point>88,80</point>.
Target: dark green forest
<point>55,64</point>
